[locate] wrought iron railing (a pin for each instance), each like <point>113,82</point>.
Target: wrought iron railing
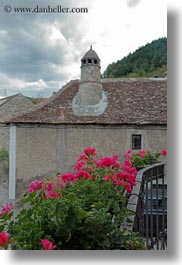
<point>148,202</point>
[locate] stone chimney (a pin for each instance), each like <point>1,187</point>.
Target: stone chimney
<point>90,99</point>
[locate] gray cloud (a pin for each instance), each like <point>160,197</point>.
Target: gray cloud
<point>132,3</point>
<point>27,52</point>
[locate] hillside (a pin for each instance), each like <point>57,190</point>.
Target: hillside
<point>147,61</point>
<point>36,101</point>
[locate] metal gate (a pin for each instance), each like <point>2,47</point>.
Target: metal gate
<point>148,202</point>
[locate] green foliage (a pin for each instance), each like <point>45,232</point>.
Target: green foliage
<point>147,61</point>
<point>144,158</point>
<point>128,240</point>
<point>81,219</point>
<point>36,101</point>
<point>81,211</point>
<point>148,159</point>
<point>4,156</point>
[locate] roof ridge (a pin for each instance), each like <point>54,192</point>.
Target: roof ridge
<point>60,91</point>
<point>41,105</point>
<point>132,79</point>
<point>7,99</point>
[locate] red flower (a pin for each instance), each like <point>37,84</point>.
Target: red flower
<point>47,245</point>
<point>127,163</point>
<point>4,239</point>
<point>78,166</point>
<point>82,174</point>
<point>49,186</point>
<point>108,162</point>
<point>141,151</point>
<point>6,209</point>
<point>127,155</point>
<point>129,151</point>
<point>164,152</point>
<point>53,195</point>
<point>90,151</point>
<point>128,187</point>
<point>66,177</point>
<point>107,177</point>
<point>36,185</point>
<point>117,182</point>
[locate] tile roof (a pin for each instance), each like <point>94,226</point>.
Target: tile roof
<point>13,106</point>
<point>4,100</point>
<point>130,101</point>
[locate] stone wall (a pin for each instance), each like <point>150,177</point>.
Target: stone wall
<point>4,136</point>
<point>45,150</point>
<point>11,107</point>
<point>16,105</point>
<point>35,152</point>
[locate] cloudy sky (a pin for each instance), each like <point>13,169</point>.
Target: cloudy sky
<point>40,52</point>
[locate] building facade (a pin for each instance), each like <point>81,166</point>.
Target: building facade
<point>113,115</point>
<point>9,108</point>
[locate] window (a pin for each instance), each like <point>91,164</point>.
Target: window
<point>136,141</point>
<point>95,61</point>
<point>84,61</point>
<point>89,60</point>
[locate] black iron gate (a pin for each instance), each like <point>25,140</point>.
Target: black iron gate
<point>148,202</point>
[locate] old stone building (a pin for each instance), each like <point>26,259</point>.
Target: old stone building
<point>112,115</point>
<point>9,108</point>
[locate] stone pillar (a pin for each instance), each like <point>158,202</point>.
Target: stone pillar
<point>12,163</point>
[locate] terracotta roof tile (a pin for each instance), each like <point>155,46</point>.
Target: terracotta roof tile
<point>130,101</point>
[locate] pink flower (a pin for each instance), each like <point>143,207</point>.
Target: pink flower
<point>6,209</point>
<point>128,177</point>
<point>117,182</point>
<point>82,174</point>
<point>66,177</point>
<point>82,157</point>
<point>129,151</point>
<point>47,245</point>
<point>36,185</point>
<point>141,151</point>
<point>53,194</point>
<point>89,151</point>
<point>108,162</point>
<point>89,169</point>
<point>127,155</point>
<point>78,166</point>
<point>128,187</point>
<point>107,177</point>
<point>164,152</point>
<point>49,186</point>
<point>127,163</point>
<point>142,155</point>
<point>115,157</point>
<point>4,239</point>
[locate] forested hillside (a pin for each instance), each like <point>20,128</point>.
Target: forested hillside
<point>147,61</point>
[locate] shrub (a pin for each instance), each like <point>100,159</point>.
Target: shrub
<point>80,210</point>
<point>4,156</point>
<point>144,158</point>
<point>4,160</point>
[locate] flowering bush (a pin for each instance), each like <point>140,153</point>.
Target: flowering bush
<point>4,240</point>
<point>143,158</point>
<point>79,210</point>
<point>5,216</point>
